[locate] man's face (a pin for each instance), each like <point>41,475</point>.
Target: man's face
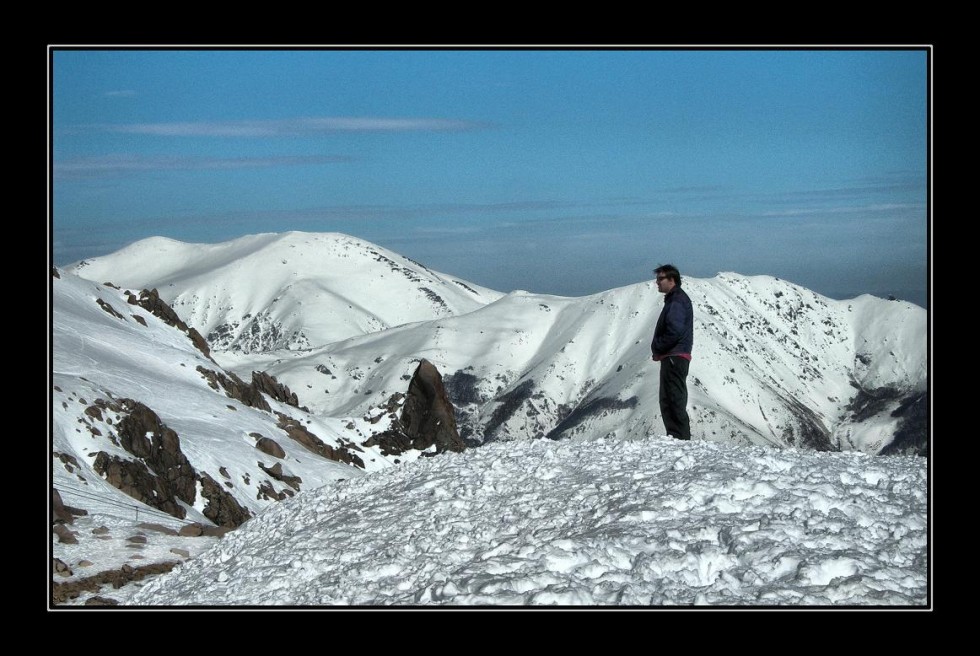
<point>664,284</point>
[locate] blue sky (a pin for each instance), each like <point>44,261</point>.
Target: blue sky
<point>556,171</point>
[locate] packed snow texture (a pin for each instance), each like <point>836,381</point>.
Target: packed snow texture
<point>627,523</point>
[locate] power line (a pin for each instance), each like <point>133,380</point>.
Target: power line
<point>110,501</point>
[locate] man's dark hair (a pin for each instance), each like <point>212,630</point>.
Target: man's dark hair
<point>670,271</point>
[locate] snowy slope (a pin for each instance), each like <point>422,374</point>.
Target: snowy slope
<point>113,360</point>
<point>652,522</point>
<point>291,290</point>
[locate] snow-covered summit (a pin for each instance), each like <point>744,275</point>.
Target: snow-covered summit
<point>292,290</point>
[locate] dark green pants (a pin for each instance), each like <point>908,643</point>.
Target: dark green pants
<point>673,396</point>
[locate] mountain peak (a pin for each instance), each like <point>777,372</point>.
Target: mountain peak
<point>291,291</point>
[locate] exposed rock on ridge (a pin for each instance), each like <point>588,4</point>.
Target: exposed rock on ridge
<point>152,303</point>
<point>296,431</point>
<point>427,418</point>
<point>251,393</point>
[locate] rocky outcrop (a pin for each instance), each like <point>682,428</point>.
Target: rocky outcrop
<point>267,384</point>
<point>275,471</point>
<point>298,432</point>
<point>221,507</point>
<point>64,592</point>
<point>251,394</point>
<point>108,308</point>
<point>270,447</point>
<point>427,418</point>
<point>150,301</point>
<point>65,534</point>
<point>161,473</point>
<point>58,511</point>
<point>136,480</point>
<point>196,530</point>
<point>236,388</point>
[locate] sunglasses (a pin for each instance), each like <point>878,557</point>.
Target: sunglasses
<point>659,278</point>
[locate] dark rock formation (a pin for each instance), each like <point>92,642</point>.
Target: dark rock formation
<point>58,511</point>
<point>251,393</point>
<point>462,388</point>
<point>270,447</point>
<point>151,526</point>
<point>236,388</point>
<point>62,592</point>
<point>150,301</point>
<point>101,601</point>
<point>134,478</point>
<point>196,530</point>
<point>427,418</point>
<point>69,461</point>
<point>267,384</point>
<point>108,308</point>
<point>809,432</point>
<point>221,508</point>
<point>268,491</point>
<point>275,471</point>
<point>142,433</point>
<point>298,432</point>
<point>61,568</point>
<point>65,536</point>
<point>427,415</point>
<point>161,473</point>
<point>599,406</point>
<point>912,434</point>
<point>507,405</point>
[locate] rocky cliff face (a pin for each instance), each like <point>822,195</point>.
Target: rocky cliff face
<point>159,475</point>
<point>427,418</point>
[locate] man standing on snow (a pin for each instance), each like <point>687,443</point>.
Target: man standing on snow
<point>673,339</point>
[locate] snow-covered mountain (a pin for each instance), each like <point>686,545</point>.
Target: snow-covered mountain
<point>293,290</point>
<point>139,406</point>
<point>343,323</point>
<point>150,434</point>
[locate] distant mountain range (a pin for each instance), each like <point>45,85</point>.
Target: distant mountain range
<point>343,323</point>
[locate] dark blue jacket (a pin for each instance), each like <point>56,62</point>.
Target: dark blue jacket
<point>674,334</point>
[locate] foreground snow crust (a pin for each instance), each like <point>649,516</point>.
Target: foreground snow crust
<point>626,523</point>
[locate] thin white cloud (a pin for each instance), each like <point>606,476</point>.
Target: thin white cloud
<point>86,167</point>
<point>294,127</point>
<point>881,207</point>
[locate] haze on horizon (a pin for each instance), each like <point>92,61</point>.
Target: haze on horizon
<point>564,172</point>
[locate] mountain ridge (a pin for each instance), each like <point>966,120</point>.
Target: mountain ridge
<point>774,363</point>
<point>315,288</point>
